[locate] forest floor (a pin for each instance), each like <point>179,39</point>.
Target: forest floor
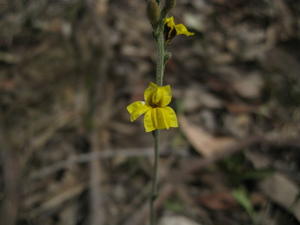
<point>70,155</point>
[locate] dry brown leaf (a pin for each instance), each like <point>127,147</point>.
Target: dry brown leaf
<point>196,97</point>
<point>283,191</point>
<point>241,108</point>
<point>248,86</point>
<point>218,201</point>
<point>177,220</point>
<point>204,143</point>
<point>278,188</point>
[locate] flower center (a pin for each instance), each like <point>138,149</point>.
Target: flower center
<point>153,105</point>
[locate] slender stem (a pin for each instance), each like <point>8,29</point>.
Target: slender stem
<point>160,66</point>
<point>160,69</point>
<point>154,191</point>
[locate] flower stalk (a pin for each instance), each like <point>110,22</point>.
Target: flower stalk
<point>157,114</point>
<point>160,66</point>
<point>160,70</point>
<point>154,190</point>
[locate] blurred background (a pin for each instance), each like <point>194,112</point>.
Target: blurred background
<point>70,156</point>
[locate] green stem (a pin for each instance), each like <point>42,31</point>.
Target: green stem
<point>160,69</point>
<point>154,192</point>
<point>160,66</point>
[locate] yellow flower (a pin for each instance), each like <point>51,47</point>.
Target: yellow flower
<point>172,29</point>
<point>157,114</point>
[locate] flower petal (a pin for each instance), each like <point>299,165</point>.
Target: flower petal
<point>170,116</point>
<point>158,96</point>
<point>166,95</point>
<point>170,22</point>
<point>148,121</point>
<point>136,109</point>
<point>155,119</point>
<point>181,29</point>
<point>160,118</point>
<point>151,89</point>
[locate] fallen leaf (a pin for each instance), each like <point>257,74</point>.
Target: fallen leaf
<point>177,220</point>
<point>218,201</point>
<point>283,191</point>
<point>249,86</point>
<point>241,108</point>
<point>204,143</point>
<point>196,97</point>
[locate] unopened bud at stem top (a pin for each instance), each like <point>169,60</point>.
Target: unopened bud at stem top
<point>169,4</point>
<point>153,12</point>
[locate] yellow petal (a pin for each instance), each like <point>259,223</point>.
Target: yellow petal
<point>148,121</point>
<point>170,115</point>
<point>160,118</point>
<point>158,96</point>
<point>181,29</point>
<point>155,119</point>
<point>136,109</point>
<point>170,22</point>
<point>149,92</point>
<point>165,95</point>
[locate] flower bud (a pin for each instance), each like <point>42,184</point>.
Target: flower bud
<point>153,12</point>
<point>169,4</point>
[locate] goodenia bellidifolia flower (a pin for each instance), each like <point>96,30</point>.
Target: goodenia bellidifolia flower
<point>172,29</point>
<point>157,114</point>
